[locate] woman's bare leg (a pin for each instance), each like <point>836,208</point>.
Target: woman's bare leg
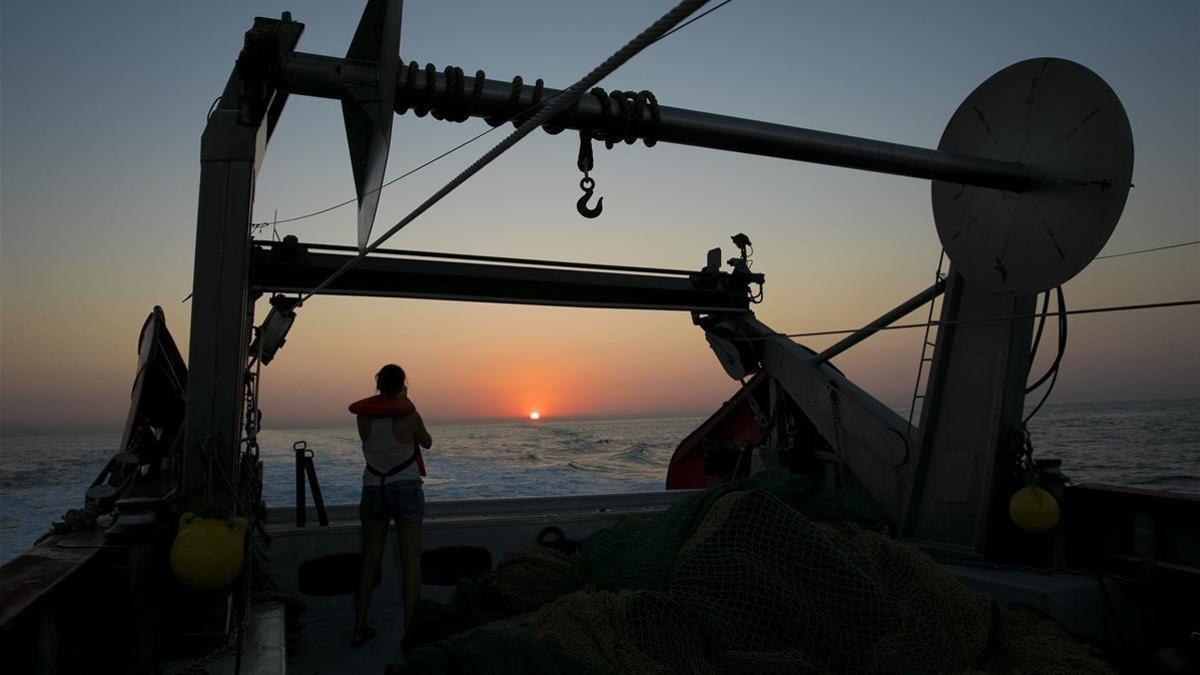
<point>374,539</point>
<point>409,533</point>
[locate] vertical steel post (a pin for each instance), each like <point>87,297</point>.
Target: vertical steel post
<point>318,500</point>
<point>300,447</point>
<point>231,151</point>
<point>220,332</point>
<point>974,403</point>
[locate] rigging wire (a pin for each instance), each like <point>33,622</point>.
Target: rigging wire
<point>402,176</point>
<point>903,326</point>
<point>1052,372</point>
<point>516,116</point>
<point>699,16</point>
<point>1148,250</point>
<point>546,114</point>
<point>1037,337</point>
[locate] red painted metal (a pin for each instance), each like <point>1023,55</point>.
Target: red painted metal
<point>733,424</point>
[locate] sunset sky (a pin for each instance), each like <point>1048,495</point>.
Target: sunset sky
<point>102,106</point>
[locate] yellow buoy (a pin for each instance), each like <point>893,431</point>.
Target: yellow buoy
<point>1033,510</point>
<point>208,553</point>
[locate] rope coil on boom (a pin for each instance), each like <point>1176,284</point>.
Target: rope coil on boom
<point>627,127</point>
<point>622,110</point>
<point>626,124</point>
<point>453,106</point>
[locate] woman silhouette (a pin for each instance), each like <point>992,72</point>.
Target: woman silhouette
<point>391,491</point>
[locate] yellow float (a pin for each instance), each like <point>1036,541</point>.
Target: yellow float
<point>1034,510</point>
<point>208,553</point>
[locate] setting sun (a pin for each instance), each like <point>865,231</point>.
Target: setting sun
<point>535,415</point>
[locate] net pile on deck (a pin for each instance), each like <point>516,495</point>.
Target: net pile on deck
<point>756,576</point>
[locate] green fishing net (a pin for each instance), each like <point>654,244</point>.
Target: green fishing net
<point>762,575</point>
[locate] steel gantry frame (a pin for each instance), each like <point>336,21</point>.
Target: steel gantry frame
<point>939,489</point>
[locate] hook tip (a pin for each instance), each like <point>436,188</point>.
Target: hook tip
<point>587,212</point>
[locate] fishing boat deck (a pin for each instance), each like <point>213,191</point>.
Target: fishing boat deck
<point>500,525</point>
<point>326,645</point>
<point>1085,603</point>
<point>486,528</point>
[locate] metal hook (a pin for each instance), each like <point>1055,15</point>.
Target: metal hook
<point>588,185</point>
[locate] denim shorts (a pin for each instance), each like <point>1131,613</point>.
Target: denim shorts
<point>403,500</point>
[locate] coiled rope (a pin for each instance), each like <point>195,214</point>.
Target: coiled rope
<point>625,124</point>
<point>454,105</point>
<point>622,112</point>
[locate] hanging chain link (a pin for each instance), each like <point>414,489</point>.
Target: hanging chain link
<point>196,667</point>
<point>234,642</point>
<point>586,160</point>
<point>760,419</point>
<point>763,422</point>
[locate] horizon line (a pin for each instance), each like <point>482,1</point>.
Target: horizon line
<point>29,430</point>
<point>33,430</point>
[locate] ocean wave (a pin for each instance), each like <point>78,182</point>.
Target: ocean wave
<point>1168,479</point>
<point>641,453</point>
<point>589,469</point>
<point>1146,444</point>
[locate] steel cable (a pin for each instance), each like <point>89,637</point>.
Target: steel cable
<point>1148,250</point>
<point>903,326</point>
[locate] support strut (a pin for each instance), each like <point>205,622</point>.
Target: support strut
<point>291,267</point>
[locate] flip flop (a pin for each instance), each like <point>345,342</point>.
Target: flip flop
<point>360,639</point>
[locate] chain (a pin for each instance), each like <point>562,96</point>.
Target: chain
<point>586,160</point>
<point>756,411</point>
<point>196,667</point>
<point>235,495</point>
<point>781,427</point>
<point>1025,466</point>
<point>243,627</point>
<point>789,428</point>
<point>234,643</point>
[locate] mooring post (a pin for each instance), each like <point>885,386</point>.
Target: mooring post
<point>300,447</point>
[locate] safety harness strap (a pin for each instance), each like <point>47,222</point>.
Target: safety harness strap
<point>395,469</point>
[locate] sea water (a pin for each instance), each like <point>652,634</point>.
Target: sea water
<point>1144,444</point>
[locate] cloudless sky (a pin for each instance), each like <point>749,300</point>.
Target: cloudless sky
<point>102,106</point>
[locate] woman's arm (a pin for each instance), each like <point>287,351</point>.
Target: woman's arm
<point>411,427</point>
<point>364,427</point>
<point>421,434</point>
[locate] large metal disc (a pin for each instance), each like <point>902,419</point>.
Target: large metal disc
<point>1063,122</point>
